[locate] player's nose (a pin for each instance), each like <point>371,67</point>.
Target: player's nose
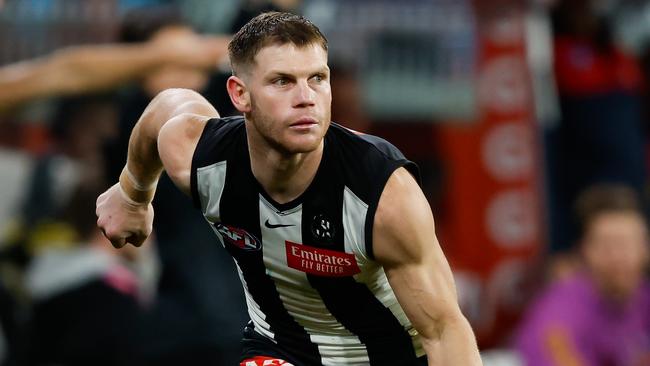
<point>304,95</point>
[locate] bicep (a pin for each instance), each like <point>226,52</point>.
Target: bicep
<point>405,244</point>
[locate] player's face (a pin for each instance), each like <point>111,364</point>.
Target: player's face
<point>616,252</point>
<point>290,96</point>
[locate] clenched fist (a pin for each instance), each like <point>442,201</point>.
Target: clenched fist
<point>123,220</point>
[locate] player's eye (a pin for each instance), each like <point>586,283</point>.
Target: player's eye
<point>281,81</point>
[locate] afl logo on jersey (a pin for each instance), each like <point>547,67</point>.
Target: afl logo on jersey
<point>238,237</point>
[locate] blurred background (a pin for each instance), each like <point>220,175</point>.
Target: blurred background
<point>528,118</point>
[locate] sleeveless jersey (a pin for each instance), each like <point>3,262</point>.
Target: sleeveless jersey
<point>311,283</point>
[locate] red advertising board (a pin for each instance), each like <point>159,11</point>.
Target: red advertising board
<point>492,226</point>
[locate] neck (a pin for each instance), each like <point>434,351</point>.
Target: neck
<point>284,176</point>
<point>613,292</point>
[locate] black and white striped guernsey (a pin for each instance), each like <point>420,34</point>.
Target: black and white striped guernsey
<point>307,267</point>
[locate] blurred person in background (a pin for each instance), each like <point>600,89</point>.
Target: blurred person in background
<point>600,137</point>
<point>87,300</point>
<point>72,159</point>
<point>599,315</point>
<point>79,294</point>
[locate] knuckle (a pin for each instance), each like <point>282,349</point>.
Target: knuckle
<point>112,234</point>
<point>118,243</point>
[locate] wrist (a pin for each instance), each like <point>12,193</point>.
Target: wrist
<point>133,191</point>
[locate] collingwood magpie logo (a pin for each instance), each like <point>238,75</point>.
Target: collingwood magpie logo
<point>322,228</point>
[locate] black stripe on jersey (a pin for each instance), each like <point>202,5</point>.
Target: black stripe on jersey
<point>391,166</point>
<point>241,195</point>
<point>349,301</point>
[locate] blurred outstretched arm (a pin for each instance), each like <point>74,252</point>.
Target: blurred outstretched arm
<point>91,68</point>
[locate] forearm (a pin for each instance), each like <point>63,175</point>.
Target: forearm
<point>90,68</point>
<point>103,66</point>
<point>143,166</point>
<point>453,344</point>
<point>23,81</point>
<point>76,70</point>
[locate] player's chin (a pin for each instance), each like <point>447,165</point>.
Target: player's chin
<point>302,144</point>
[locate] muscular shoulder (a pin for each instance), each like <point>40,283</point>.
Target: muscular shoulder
<point>403,223</point>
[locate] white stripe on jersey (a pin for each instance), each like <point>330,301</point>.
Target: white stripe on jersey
<point>210,181</point>
<point>301,300</point>
<point>354,225</point>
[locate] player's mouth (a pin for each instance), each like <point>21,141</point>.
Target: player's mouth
<point>304,123</point>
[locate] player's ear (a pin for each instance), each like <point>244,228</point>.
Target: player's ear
<point>239,94</point>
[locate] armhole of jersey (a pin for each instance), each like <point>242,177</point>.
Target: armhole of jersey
<point>193,188</point>
<point>412,168</point>
<point>197,158</point>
